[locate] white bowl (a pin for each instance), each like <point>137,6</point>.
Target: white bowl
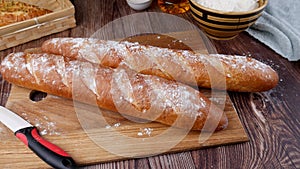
<point>139,4</point>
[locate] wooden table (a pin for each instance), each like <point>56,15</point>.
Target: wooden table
<point>271,118</point>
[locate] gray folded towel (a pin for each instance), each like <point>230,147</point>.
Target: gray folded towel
<point>279,28</point>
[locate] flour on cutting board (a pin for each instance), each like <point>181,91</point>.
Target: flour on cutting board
<point>44,124</point>
<point>116,125</point>
<point>142,131</point>
<point>145,131</point>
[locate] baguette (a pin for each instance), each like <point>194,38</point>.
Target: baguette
<point>239,73</point>
<point>119,90</point>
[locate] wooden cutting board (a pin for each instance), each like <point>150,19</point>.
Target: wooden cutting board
<point>75,127</point>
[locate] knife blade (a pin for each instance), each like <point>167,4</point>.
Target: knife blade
<point>29,135</point>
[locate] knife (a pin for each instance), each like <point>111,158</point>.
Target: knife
<point>29,135</point>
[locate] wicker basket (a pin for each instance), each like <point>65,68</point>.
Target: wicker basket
<point>60,19</point>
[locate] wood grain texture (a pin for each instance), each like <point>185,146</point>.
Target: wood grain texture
<point>78,129</point>
<point>271,118</point>
<point>274,141</point>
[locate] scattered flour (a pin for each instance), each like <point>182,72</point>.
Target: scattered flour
<point>116,125</point>
<point>229,5</point>
<point>145,131</point>
<point>44,125</point>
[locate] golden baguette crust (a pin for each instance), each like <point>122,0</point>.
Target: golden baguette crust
<point>12,12</point>
<point>120,90</point>
<point>239,73</point>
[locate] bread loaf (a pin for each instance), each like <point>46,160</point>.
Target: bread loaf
<point>13,11</point>
<point>119,90</point>
<point>234,73</point>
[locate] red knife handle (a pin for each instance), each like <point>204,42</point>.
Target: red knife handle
<point>50,153</point>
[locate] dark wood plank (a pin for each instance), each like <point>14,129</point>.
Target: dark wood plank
<point>271,120</point>
<point>179,160</point>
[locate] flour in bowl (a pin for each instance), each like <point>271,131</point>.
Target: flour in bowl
<point>229,5</point>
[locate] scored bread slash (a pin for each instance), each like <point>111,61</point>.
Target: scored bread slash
<point>241,73</point>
